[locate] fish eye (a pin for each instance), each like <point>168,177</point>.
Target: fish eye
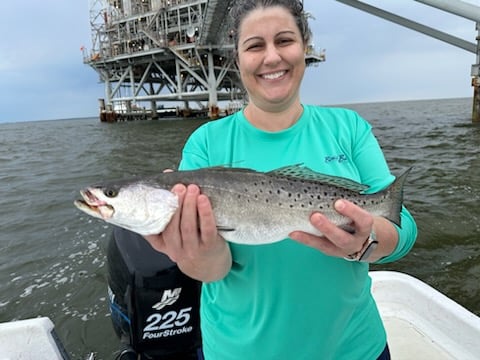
<point>110,192</point>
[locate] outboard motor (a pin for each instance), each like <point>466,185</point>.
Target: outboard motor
<point>154,306</point>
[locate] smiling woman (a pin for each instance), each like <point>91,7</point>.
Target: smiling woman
<point>250,296</point>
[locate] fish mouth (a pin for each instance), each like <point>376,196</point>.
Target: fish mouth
<point>94,206</point>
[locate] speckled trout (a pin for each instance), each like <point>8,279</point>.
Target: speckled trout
<point>250,207</point>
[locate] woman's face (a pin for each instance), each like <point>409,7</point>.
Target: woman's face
<point>271,58</point>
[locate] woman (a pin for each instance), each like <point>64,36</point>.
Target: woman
<point>299,298</point>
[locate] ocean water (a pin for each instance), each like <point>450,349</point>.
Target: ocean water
<point>53,257</point>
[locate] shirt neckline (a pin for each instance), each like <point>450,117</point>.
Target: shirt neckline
<point>292,130</point>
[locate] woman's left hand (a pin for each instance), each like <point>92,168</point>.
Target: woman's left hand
<point>335,241</point>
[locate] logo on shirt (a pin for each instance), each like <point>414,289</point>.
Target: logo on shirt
<point>336,158</point>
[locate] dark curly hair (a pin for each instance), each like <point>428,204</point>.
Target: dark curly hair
<point>242,8</point>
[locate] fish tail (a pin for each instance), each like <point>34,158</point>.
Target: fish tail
<point>395,192</point>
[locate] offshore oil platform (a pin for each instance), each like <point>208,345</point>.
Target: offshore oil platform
<point>152,52</point>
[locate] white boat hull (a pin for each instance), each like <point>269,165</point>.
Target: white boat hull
<point>421,322</point>
<point>31,339</point>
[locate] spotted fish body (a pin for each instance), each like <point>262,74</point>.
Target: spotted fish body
<point>250,207</point>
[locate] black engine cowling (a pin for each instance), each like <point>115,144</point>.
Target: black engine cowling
<point>154,306</point>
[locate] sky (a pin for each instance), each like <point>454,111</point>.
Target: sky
<point>42,75</point>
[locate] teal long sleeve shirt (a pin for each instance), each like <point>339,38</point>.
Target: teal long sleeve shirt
<point>286,300</point>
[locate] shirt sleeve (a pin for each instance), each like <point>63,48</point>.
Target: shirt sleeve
<point>374,171</point>
<point>195,151</point>
<point>407,234</point>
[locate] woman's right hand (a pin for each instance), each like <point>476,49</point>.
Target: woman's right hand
<point>191,238</point>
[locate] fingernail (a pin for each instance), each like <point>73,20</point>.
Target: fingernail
<point>317,218</point>
<point>178,189</point>
<point>339,205</point>
<point>192,189</point>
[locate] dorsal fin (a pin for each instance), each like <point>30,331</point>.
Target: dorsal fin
<point>301,172</point>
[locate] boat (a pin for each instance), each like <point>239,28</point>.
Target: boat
<point>421,323</point>
<point>31,339</point>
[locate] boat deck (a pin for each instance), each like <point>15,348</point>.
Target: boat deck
<point>405,340</point>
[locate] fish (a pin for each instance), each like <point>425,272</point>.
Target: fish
<point>250,207</point>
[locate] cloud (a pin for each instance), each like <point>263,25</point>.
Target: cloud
<point>370,59</point>
<point>41,68</point>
